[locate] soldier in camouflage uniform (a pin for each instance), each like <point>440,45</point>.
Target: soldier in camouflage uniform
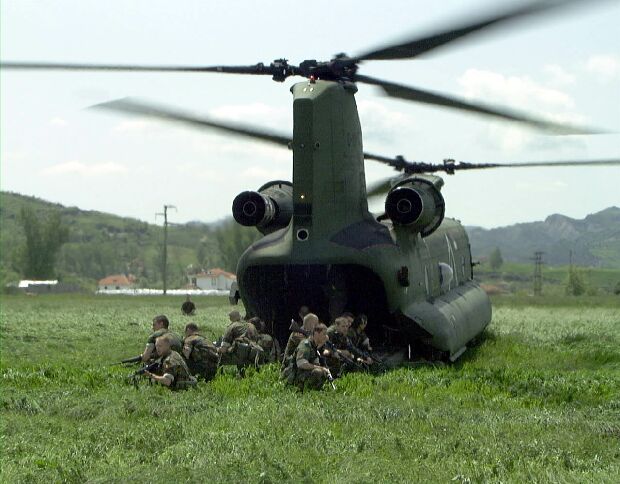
<point>200,354</point>
<point>310,320</point>
<point>343,355</point>
<point>305,370</point>
<point>339,341</point>
<point>270,346</point>
<point>160,327</point>
<point>239,345</point>
<point>357,333</point>
<point>173,371</point>
<point>188,308</point>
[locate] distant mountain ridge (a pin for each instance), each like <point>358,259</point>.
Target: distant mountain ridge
<point>594,240</point>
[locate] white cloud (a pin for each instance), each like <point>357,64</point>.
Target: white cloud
<point>606,67</point>
<point>382,124</point>
<point>523,95</point>
<point>558,76</point>
<point>513,90</point>
<point>58,122</point>
<point>78,168</point>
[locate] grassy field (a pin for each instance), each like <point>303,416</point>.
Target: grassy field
<point>537,401</point>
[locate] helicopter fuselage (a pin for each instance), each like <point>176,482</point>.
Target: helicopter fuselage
<point>333,255</point>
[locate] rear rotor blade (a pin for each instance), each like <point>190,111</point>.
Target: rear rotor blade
<point>409,168</point>
<point>414,47</point>
<point>430,97</point>
<point>463,165</point>
<point>132,106</point>
<point>450,166</point>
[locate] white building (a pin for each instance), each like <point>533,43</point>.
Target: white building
<point>216,279</point>
<point>115,282</point>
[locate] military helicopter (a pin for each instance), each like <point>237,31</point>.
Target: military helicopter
<point>409,268</point>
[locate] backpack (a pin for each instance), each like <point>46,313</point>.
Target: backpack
<point>202,350</point>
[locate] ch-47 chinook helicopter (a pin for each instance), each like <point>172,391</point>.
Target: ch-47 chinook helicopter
<point>409,268</point>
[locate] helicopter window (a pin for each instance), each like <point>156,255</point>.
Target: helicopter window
<point>446,275</point>
<point>428,291</point>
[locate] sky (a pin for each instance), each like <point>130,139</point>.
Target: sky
<point>564,66</point>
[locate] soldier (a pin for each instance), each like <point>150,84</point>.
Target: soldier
<point>173,371</point>
<point>270,346</point>
<point>239,344</point>
<point>304,369</point>
<point>201,356</point>
<point>303,311</point>
<point>357,333</point>
<point>160,327</point>
<point>343,355</point>
<point>310,320</point>
<point>234,316</point>
<point>188,308</point>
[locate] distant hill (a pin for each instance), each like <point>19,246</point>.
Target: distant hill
<point>101,244</point>
<point>594,241</point>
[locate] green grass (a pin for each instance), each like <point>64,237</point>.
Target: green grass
<point>537,400</point>
<point>519,277</point>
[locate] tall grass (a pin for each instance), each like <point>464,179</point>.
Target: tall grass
<point>537,400</point>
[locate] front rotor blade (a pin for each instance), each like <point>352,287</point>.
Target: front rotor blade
<point>415,47</point>
<point>132,106</point>
<point>251,69</point>
<point>430,97</point>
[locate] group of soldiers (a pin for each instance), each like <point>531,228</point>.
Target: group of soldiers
<point>313,354</point>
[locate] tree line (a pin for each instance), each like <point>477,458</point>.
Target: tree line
<point>51,248</point>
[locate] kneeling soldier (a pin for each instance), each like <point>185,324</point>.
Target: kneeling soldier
<point>305,370</point>
<point>201,356</point>
<point>239,345</point>
<point>270,346</point>
<point>173,371</point>
<point>310,320</point>
<point>160,327</point>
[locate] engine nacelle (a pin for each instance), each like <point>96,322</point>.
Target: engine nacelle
<point>417,203</point>
<point>268,209</point>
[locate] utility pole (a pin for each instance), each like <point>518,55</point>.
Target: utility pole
<point>165,255</point>
<point>538,262</point>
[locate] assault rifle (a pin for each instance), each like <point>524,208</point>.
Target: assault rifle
<point>295,327</point>
<point>363,354</point>
<point>151,367</point>
<point>323,363</point>
<point>350,361</point>
<point>298,329</point>
<point>127,361</point>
